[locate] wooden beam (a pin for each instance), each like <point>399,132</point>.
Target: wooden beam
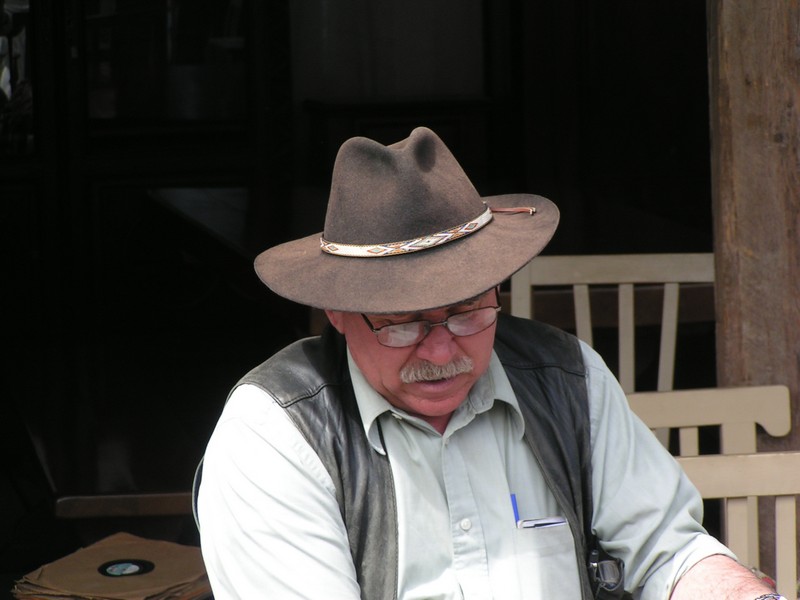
<point>754,84</point>
<point>754,78</point>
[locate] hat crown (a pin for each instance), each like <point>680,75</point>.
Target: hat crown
<point>381,194</point>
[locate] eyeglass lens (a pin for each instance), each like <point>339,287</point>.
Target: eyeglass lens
<point>460,324</point>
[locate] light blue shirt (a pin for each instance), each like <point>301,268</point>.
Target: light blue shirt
<point>271,526</point>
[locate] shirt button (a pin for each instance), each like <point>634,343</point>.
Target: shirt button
<point>465,524</point>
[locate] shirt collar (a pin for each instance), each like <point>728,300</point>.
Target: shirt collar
<point>492,385</point>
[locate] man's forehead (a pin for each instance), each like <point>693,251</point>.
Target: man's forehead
<point>449,308</point>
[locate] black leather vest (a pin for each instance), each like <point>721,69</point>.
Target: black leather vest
<point>311,380</point>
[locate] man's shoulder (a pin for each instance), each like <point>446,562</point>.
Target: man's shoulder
<point>302,369</point>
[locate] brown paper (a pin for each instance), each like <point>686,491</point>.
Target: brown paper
<point>178,572</point>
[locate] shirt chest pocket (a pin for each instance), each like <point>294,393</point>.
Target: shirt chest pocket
<point>546,562</point>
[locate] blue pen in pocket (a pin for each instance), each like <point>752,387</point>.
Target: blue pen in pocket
<point>516,509</point>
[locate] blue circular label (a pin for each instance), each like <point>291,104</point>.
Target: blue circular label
<point>124,567</point>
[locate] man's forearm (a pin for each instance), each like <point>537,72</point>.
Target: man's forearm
<point>719,578</point>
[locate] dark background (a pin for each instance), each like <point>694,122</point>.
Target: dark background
<point>149,149</point>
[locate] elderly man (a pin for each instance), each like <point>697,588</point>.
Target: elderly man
<point>426,446</point>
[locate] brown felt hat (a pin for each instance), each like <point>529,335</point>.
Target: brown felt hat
<point>406,231</point>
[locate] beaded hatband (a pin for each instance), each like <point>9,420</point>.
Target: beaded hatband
<point>417,244</point>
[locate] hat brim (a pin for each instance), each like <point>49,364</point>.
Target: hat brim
<point>440,276</point>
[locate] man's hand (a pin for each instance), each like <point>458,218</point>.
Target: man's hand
<point>719,578</point>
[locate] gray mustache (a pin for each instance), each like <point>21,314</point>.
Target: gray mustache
<point>426,371</point>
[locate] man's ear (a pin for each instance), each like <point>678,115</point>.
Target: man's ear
<point>336,319</point>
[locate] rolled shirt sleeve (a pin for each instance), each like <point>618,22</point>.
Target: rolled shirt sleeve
<point>646,511</point>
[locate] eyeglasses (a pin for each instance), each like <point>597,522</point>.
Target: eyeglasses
<point>462,324</point>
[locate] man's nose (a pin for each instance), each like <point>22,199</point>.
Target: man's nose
<point>438,346</point>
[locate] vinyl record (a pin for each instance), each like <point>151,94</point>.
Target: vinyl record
<point>125,567</point>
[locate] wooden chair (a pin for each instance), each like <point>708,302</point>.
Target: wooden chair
<point>737,411</point>
<point>737,477</point>
<point>622,272</point>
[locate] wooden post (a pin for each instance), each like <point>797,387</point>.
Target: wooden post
<point>754,60</point>
<point>754,79</point>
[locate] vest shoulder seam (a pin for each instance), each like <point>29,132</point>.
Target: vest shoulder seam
<point>295,398</point>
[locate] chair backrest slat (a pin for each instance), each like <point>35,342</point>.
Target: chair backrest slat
<point>627,338</point>
<point>583,313</point>
<point>786,541</point>
<point>669,337</point>
<point>689,441</point>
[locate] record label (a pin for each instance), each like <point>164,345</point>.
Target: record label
<point>124,567</point>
